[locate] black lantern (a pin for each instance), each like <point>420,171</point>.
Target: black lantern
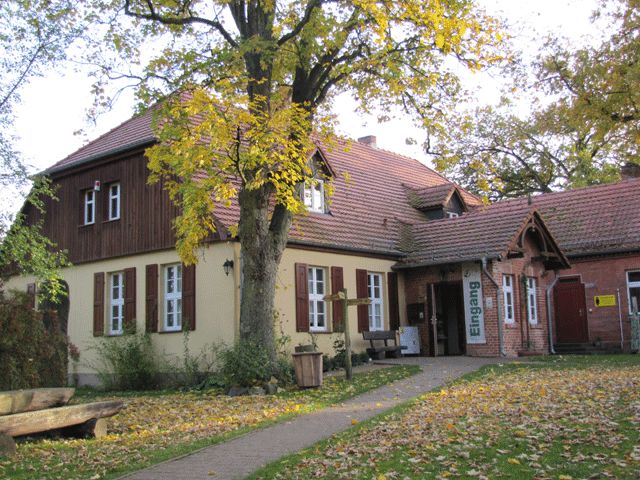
<point>227,265</point>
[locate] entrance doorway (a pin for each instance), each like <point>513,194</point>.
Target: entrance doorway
<point>570,311</point>
<point>448,337</point>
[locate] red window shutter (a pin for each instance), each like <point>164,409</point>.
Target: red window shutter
<point>130,300</point>
<point>31,292</point>
<point>337,284</point>
<point>98,304</point>
<point>189,296</point>
<point>362,291</point>
<point>394,307</point>
<point>151,299</point>
<point>302,297</point>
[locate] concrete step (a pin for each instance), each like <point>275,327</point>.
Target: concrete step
<point>585,348</point>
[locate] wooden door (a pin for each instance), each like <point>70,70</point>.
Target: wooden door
<point>570,312</point>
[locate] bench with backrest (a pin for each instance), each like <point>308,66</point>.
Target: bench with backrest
<point>377,352</point>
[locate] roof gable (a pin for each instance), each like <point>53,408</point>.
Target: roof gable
<point>486,232</point>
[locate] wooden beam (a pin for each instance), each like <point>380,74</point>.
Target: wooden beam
<point>17,401</point>
<point>55,418</point>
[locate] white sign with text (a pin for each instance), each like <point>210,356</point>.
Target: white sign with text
<point>473,308</point>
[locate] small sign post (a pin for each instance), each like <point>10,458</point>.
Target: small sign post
<point>341,297</point>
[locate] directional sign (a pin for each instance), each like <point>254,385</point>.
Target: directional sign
<point>358,301</point>
<point>334,297</point>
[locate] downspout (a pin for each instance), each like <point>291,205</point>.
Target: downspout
<point>498,304</point>
<point>552,350</point>
<point>620,320</point>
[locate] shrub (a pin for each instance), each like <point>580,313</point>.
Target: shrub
<point>247,363</point>
<point>31,355</point>
<point>127,362</point>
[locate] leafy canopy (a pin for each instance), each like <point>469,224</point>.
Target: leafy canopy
<point>587,126</point>
<point>34,36</point>
<point>244,84</point>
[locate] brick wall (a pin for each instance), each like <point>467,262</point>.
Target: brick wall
<point>519,336</point>
<point>605,276</point>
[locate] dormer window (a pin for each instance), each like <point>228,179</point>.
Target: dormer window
<point>114,201</point>
<point>314,196</point>
<point>452,214</point>
<point>89,207</point>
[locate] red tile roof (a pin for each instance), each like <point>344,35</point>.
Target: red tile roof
<point>485,232</point>
<point>430,197</point>
<point>133,133</point>
<point>593,220</point>
<point>369,202</point>
<point>586,221</point>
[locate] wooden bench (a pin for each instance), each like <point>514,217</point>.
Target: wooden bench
<point>26,412</point>
<point>379,352</point>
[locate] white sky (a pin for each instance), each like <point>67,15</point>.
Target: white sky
<point>53,107</point>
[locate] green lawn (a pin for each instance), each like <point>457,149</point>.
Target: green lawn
<point>156,426</point>
<point>556,418</point>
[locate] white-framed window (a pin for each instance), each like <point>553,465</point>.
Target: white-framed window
<point>532,300</point>
<point>89,207</point>
<point>452,214</point>
<point>507,298</point>
<point>314,196</point>
<point>317,305</point>
<point>114,201</point>
<point>633,290</point>
<point>376,317</point>
<point>173,297</point>
<point>116,303</point>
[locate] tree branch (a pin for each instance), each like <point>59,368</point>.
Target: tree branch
<point>170,20</point>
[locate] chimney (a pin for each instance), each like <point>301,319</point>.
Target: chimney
<point>630,170</point>
<point>368,140</point>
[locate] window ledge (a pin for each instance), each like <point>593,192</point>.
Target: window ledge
<point>170,331</point>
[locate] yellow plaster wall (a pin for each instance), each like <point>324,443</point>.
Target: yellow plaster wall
<point>285,294</point>
<point>217,298</point>
<point>216,302</point>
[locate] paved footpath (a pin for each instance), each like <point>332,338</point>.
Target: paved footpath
<point>243,455</point>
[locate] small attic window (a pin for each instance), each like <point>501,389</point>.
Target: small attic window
<point>452,214</point>
<point>314,196</point>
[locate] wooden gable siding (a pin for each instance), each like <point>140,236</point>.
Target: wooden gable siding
<point>145,212</point>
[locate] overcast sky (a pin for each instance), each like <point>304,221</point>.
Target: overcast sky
<point>53,107</point>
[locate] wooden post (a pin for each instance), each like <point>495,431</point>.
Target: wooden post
<point>347,337</point>
<point>341,296</point>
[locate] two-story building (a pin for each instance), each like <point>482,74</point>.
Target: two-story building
<point>475,279</point>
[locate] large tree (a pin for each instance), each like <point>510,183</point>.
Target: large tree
<point>34,36</point>
<point>583,125</point>
<point>245,84</point>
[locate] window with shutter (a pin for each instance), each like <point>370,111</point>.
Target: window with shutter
<point>151,298</point>
<point>98,304</point>
<point>337,284</point>
<point>376,311</point>
<point>394,307</point>
<point>116,303</point>
<point>130,299</point>
<point>189,296</point>
<point>362,292</point>
<point>302,297</point>
<point>317,277</point>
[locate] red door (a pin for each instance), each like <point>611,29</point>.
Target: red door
<point>571,312</point>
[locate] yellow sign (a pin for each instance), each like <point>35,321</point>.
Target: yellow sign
<point>604,300</point>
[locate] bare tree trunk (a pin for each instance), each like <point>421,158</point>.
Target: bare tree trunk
<point>262,241</point>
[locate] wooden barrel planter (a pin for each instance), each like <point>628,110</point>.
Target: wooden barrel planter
<point>308,367</point>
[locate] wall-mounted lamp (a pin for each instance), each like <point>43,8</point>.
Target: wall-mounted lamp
<point>227,265</point>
